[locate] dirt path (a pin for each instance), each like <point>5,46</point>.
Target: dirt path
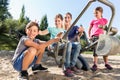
<point>8,73</point>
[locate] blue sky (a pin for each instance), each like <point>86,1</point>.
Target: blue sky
<point>36,9</point>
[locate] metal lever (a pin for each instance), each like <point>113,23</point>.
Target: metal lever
<point>108,3</point>
<point>86,7</point>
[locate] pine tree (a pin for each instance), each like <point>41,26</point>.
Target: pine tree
<point>23,20</point>
<point>44,23</point>
<point>22,15</point>
<point>4,14</point>
<point>4,10</point>
<point>43,26</point>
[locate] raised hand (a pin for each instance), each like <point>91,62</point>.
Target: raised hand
<point>60,35</point>
<point>80,29</point>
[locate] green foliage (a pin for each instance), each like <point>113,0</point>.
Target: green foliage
<point>10,24</point>
<point>22,15</point>
<point>118,36</point>
<point>83,43</point>
<point>88,52</point>
<point>9,28</point>
<point>23,20</point>
<point>7,43</point>
<point>4,10</point>
<point>43,26</point>
<point>44,23</point>
<point>4,14</point>
<point>83,40</point>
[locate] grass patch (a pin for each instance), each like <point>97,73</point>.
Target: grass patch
<point>88,52</point>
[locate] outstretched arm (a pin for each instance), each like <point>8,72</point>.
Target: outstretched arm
<point>41,46</point>
<point>44,32</point>
<point>51,41</point>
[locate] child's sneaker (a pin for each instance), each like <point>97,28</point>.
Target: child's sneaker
<point>94,67</point>
<point>108,66</point>
<point>68,72</point>
<point>38,67</point>
<point>23,75</point>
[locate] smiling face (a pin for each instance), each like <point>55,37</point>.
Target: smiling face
<point>58,22</point>
<point>32,30</point>
<point>67,19</point>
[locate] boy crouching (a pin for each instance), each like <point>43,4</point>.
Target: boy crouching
<point>29,51</point>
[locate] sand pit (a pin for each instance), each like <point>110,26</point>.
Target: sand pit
<point>55,73</point>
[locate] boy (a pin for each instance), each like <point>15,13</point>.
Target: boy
<point>30,51</point>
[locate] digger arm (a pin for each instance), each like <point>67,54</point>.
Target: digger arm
<point>76,20</point>
<point>106,2</point>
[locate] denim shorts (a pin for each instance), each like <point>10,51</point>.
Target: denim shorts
<point>18,62</point>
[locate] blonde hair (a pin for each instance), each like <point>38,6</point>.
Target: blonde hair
<point>59,16</point>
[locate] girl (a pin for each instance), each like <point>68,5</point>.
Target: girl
<point>95,29</point>
<point>54,30</point>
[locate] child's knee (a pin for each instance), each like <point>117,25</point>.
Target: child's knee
<point>32,51</point>
<point>105,56</point>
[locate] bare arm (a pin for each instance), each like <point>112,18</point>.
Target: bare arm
<point>30,43</point>
<point>40,41</point>
<point>51,41</point>
<point>44,32</point>
<point>89,30</point>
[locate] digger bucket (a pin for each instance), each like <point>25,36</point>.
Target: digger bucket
<point>108,45</point>
<point>113,31</point>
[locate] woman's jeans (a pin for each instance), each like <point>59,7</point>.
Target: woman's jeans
<point>72,53</point>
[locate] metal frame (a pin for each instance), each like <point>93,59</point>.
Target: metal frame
<point>65,40</point>
<point>107,3</point>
